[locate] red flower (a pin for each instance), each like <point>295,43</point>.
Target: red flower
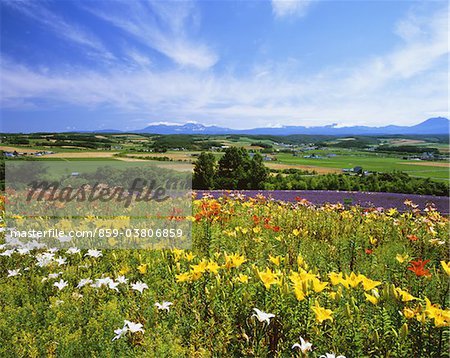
<point>369,251</point>
<point>412,237</point>
<point>276,228</point>
<point>418,267</point>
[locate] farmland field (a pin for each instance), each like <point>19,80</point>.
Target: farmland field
<point>374,162</point>
<point>259,276</point>
<point>291,152</point>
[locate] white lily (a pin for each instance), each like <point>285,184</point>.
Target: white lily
<point>134,327</point>
<point>83,282</point>
<point>164,306</point>
<point>12,273</point>
<point>262,316</point>
<point>330,355</point>
<point>139,286</point>
<point>61,261</point>
<point>51,276</point>
<point>52,250</point>
<point>7,252</point>
<point>93,253</point>
<point>23,250</point>
<point>113,285</point>
<point>128,326</point>
<point>60,284</point>
<point>99,282</point>
<point>73,250</point>
<point>304,345</point>
<point>122,279</point>
<point>120,332</point>
<point>44,259</point>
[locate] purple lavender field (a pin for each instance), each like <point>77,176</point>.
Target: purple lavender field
<point>364,199</point>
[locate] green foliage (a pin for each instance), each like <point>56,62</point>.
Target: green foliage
<point>235,170</point>
<point>204,171</point>
<point>396,182</point>
<point>407,149</point>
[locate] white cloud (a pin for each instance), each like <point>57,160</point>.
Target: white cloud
<point>285,8</point>
<point>400,87</point>
<point>162,26</point>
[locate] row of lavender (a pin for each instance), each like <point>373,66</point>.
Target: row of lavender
<point>364,199</point>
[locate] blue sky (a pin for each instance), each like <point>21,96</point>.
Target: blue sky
<point>86,65</point>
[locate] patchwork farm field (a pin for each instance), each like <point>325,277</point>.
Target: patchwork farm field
<point>263,279</point>
<point>323,154</point>
<point>374,162</point>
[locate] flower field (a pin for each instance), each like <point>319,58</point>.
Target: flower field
<point>263,279</point>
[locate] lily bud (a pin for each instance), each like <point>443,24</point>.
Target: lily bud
<point>354,306</point>
<point>393,292</point>
<point>376,337</point>
<point>385,293</point>
<point>404,331</point>
<point>339,294</point>
<point>348,311</point>
<point>285,288</point>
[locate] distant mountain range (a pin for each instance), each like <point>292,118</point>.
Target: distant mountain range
<point>437,125</point>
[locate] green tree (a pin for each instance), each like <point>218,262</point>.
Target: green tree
<point>204,171</point>
<point>234,169</point>
<point>258,172</point>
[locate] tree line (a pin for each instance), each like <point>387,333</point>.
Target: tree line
<point>236,169</point>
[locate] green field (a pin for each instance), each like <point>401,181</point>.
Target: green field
<point>59,166</point>
<point>371,162</point>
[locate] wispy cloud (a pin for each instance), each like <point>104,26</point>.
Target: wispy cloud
<point>59,26</point>
<point>161,26</point>
<point>285,8</point>
<point>400,86</point>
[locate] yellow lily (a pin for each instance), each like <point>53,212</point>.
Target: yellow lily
<point>200,267</point>
<point>142,268</point>
<point>234,260</point>
<point>189,256</point>
<point>368,284</point>
<point>353,280</point>
<point>446,267</point>
<point>242,278</point>
<point>402,258</point>
<point>337,278</point>
<point>371,299</point>
<point>183,277</point>
<point>275,260</point>
<point>322,314</point>
<point>318,286</point>
<point>405,296</point>
<point>300,294</point>
<point>269,278</point>
<point>213,267</point>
